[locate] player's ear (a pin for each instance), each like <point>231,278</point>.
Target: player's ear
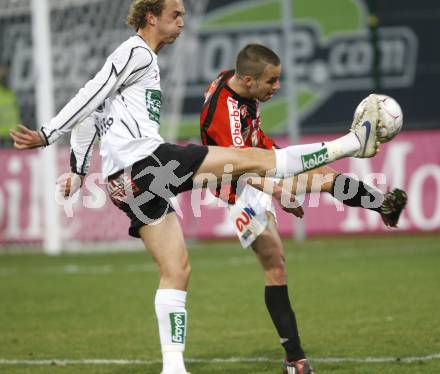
<point>150,18</point>
<point>247,79</point>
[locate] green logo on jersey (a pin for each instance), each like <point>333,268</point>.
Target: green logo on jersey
<point>178,327</point>
<point>153,100</point>
<point>315,159</point>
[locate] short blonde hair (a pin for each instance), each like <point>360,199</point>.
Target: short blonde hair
<point>138,10</point>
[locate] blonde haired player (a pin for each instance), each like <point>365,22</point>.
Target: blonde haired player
<point>136,161</point>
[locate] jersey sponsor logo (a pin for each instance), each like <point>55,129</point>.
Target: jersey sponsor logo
<point>315,159</point>
<point>153,99</point>
<point>244,219</point>
<point>235,122</point>
<point>178,327</point>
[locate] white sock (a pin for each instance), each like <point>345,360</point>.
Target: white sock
<point>172,318</point>
<point>344,146</point>
<point>295,159</point>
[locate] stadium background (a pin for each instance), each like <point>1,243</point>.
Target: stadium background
<point>365,304</point>
<point>339,57</point>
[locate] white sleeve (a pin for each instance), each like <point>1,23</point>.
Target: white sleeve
<point>81,142</point>
<point>120,67</point>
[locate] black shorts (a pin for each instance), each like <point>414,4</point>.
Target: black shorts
<point>143,191</point>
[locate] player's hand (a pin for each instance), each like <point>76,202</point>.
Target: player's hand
<point>69,183</point>
<point>296,211</point>
<point>25,138</point>
<point>279,193</point>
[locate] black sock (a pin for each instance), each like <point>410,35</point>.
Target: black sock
<point>283,317</point>
<point>365,196</point>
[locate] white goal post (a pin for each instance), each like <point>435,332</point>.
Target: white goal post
<point>44,96</point>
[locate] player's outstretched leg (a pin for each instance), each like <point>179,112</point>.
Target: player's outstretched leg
<point>392,206</point>
<point>389,205</point>
<point>364,126</point>
<point>360,142</point>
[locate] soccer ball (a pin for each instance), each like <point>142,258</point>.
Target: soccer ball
<point>390,117</point>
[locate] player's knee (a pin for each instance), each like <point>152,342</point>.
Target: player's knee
<point>182,271</point>
<point>276,276</point>
<point>250,160</point>
<point>274,268</point>
<point>279,272</point>
<point>186,271</point>
<point>177,272</point>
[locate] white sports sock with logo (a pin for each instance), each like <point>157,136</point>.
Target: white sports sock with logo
<point>295,159</point>
<point>172,317</point>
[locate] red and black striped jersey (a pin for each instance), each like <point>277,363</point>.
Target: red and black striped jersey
<point>227,119</point>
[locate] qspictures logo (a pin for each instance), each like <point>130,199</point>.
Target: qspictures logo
<point>178,327</point>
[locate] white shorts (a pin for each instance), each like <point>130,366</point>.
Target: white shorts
<point>249,214</point>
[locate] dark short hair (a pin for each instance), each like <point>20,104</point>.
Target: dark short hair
<point>253,58</point>
<point>138,10</point>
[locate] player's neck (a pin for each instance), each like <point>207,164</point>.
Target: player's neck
<point>150,39</point>
<point>236,85</point>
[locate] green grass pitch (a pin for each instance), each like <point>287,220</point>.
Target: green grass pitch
<point>366,298</point>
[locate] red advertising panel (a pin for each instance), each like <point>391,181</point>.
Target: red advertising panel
<point>411,161</point>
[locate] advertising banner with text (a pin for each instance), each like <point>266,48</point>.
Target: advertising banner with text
<point>334,53</point>
<point>411,161</point>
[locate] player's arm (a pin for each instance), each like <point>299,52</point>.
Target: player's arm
<point>82,139</point>
<point>117,70</point>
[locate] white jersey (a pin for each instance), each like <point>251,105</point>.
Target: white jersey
<point>127,90</point>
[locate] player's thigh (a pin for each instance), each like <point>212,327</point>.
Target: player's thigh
<point>165,242</point>
<point>242,160</point>
<point>268,246</point>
